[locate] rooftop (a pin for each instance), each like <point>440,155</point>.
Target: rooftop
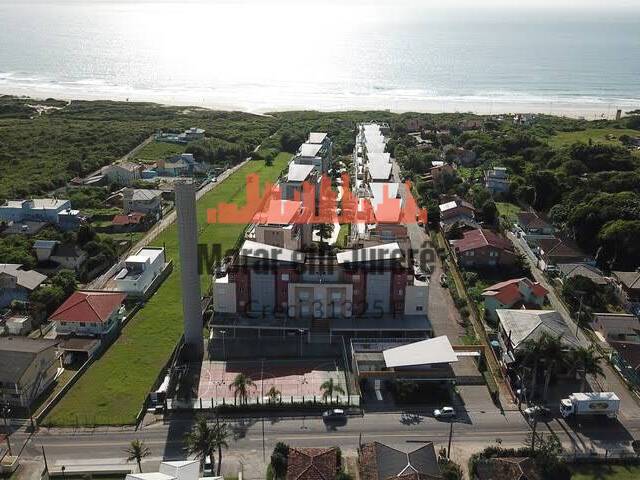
<point>380,171</point>
<point>387,251</point>
<point>523,325</point>
<point>630,280</point>
<point>145,254</point>
<point>424,352</point>
<point>570,270</point>
<point>381,462</point>
<point>309,149</point>
<point>140,194</point>
<point>316,137</point>
<point>299,172</point>
<point>481,238</point>
<point>312,464</point>
<point>262,251</point>
<point>88,307</point>
<point>29,279</point>
<point>279,212</point>
<point>17,354</point>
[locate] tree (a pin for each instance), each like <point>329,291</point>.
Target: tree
<point>279,460</point>
<point>201,441</point>
<point>220,433</point>
<point>240,386</point>
<point>137,450</point>
<point>325,230</point>
<point>85,234</point>
<point>619,240</point>
<point>329,387</point>
<point>587,361</point>
<point>489,212</point>
<point>66,280</point>
<point>554,354</point>
<point>273,394</point>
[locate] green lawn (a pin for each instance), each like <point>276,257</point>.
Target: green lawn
<point>112,391</point>
<point>508,210</point>
<point>595,134</point>
<point>157,151</point>
<point>605,472</point>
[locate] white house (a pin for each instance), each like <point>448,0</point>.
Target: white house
<point>181,470</point>
<point>141,200</point>
<point>125,173</point>
<point>140,271</point>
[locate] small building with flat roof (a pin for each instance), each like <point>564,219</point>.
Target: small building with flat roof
<point>140,271</point>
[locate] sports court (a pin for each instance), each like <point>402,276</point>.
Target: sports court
<point>293,378</point>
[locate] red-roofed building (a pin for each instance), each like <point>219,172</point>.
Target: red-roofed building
<point>312,464</point>
<point>553,251</point>
<point>483,248</point>
<point>133,222</point>
<point>89,314</point>
<point>512,294</point>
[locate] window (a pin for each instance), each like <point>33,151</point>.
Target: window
<point>419,308</point>
<point>470,253</point>
<point>82,324</point>
<point>493,253</point>
<point>285,277</point>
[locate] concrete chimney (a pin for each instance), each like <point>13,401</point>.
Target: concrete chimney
<point>190,278</point>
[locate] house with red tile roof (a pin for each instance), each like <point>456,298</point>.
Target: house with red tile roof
<point>483,248</point>
<point>533,225</point>
<point>513,294</point>
<point>507,468</point>
<point>312,464</point>
<point>89,314</point>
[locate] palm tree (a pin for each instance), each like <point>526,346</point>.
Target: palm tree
<point>554,354</point>
<point>201,441</point>
<point>531,353</point>
<point>273,394</point>
<point>220,434</point>
<point>137,450</point>
<point>240,386</point>
<point>329,387</point>
<point>587,361</point>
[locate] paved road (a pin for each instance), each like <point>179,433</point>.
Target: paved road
<point>629,408</point>
<point>474,430</point>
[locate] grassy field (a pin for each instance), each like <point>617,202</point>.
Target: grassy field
<point>562,139</point>
<point>508,211</point>
<point>155,151</point>
<point>605,472</point>
<point>111,392</point>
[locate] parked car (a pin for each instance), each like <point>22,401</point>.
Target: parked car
<point>444,412</point>
<point>419,274</point>
<point>536,410</point>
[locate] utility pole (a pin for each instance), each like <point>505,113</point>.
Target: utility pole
<point>450,437</point>
<point>533,436</point>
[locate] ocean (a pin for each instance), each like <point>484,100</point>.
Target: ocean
<point>259,55</point>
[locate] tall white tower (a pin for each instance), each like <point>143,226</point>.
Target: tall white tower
<point>185,191</point>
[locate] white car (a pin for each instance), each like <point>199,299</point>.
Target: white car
<point>444,412</point>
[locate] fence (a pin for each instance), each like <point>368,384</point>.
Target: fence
<point>264,402</point>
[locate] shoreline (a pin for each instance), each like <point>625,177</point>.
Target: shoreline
<point>387,101</point>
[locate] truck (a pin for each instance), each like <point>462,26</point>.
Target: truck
<point>591,403</point>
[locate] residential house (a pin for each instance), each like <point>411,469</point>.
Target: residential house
<point>507,468</point>
<point>138,200</point>
<point>141,271</point>
<point>132,222</point>
<point>628,285</point>
<point>189,135</point>
<point>459,155</point>
<point>552,252</point>
<point>90,314</point>
<point>531,225</point>
<point>483,248</point>
<point>124,174</point>
<point>49,210</point>
<point>513,294</point>
<point>377,461</point>
<point>571,270</point>
<point>312,464</point>
<point>457,214</point>
<point>16,283</point>
<point>183,165</point>
<point>516,327</point>
<point>496,180</point>
<point>59,255</point>
<point>27,368</point>
<point>618,327</point>
<point>439,172</point>
<point>194,134</point>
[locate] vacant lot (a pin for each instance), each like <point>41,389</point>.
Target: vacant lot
<point>595,134</point>
<point>112,391</point>
<point>155,151</point>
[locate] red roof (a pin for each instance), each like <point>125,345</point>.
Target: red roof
<point>481,238</point>
<point>389,211</point>
<point>508,292</point>
<point>312,464</point>
<point>88,307</point>
<point>132,219</point>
